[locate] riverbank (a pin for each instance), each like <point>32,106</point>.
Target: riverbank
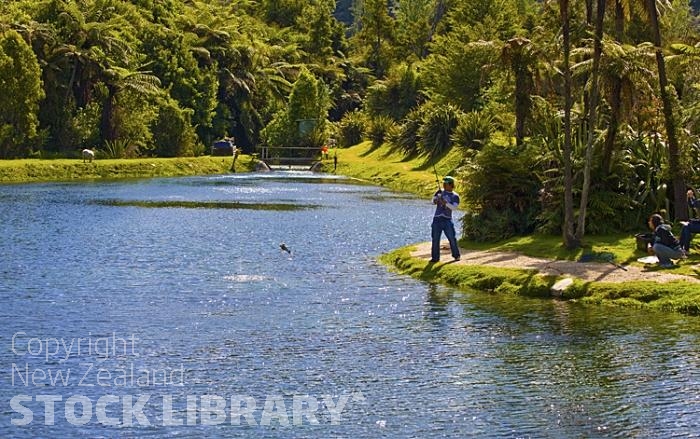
<point>38,170</point>
<point>536,266</point>
<point>591,283</point>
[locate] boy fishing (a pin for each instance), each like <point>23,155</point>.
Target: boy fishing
<point>446,200</point>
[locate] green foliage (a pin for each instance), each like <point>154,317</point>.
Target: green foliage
<point>473,130</point>
<point>488,20</point>
<point>316,24</point>
<point>282,12</point>
<point>172,131</point>
<point>115,149</point>
<point>438,125</point>
<point>413,26</point>
<point>456,72</point>
<point>407,136</point>
<point>374,34</point>
<point>20,88</point>
<point>351,128</point>
<point>379,128</point>
<point>303,121</point>
<point>502,195</point>
<point>172,59</point>
<point>396,95</point>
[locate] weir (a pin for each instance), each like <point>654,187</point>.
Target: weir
<point>290,157</point>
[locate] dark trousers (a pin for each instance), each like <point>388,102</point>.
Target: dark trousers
<point>687,233</point>
<point>440,225</point>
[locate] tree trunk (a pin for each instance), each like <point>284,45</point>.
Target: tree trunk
<point>674,153</point>
<point>107,129</point>
<point>439,12</point>
<point>615,98</point>
<point>568,226</point>
<point>592,120</point>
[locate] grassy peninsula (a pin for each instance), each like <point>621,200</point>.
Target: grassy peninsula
<point>415,175</point>
<point>38,170</point>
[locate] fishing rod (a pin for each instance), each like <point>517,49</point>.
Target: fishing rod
<point>437,179</point>
<point>439,191</point>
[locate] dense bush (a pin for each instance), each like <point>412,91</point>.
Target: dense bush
<point>396,95</point>
<point>351,128</point>
<point>473,130</point>
<point>502,195</point>
<point>378,129</point>
<point>438,125</point>
<point>172,131</point>
<point>406,137</point>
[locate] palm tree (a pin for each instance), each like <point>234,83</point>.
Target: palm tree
<point>625,74</point>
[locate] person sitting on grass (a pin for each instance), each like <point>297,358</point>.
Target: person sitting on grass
<point>664,245</point>
<point>692,226</point>
<point>693,203</point>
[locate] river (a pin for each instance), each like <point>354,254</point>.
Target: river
<point>166,308</point>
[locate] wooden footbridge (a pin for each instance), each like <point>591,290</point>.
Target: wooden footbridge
<point>290,157</point>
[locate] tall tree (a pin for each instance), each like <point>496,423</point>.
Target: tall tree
<point>674,152</point>
<point>517,54</point>
<point>592,119</point>
<point>20,87</point>
<point>621,10</point>
<point>118,80</point>
<point>376,30</point>
<point>569,237</point>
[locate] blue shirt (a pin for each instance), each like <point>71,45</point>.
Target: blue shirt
<point>452,199</point>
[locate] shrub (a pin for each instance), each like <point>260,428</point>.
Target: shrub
<point>406,136</point>
<point>439,122</point>
<point>396,95</point>
<point>473,130</point>
<point>378,129</point>
<point>502,195</point>
<point>172,131</point>
<point>351,129</point>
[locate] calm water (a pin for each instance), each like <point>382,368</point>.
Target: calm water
<point>193,323</point>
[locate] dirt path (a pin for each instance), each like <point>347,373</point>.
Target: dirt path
<point>589,271</point>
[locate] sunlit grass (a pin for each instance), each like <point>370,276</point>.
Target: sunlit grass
<point>35,170</point>
<point>391,169</point>
<point>679,296</point>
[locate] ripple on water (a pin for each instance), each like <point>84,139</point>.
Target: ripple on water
<point>209,290</point>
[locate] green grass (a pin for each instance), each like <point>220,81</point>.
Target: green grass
<point>681,297</point>
<point>388,168</point>
<point>483,278</point>
<point>37,170</point>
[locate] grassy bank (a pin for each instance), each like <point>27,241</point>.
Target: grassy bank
<point>37,170</point>
<point>682,297</point>
<point>384,167</point>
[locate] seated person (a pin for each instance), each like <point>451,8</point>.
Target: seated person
<point>693,203</point>
<point>664,245</point>
<point>693,226</point>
